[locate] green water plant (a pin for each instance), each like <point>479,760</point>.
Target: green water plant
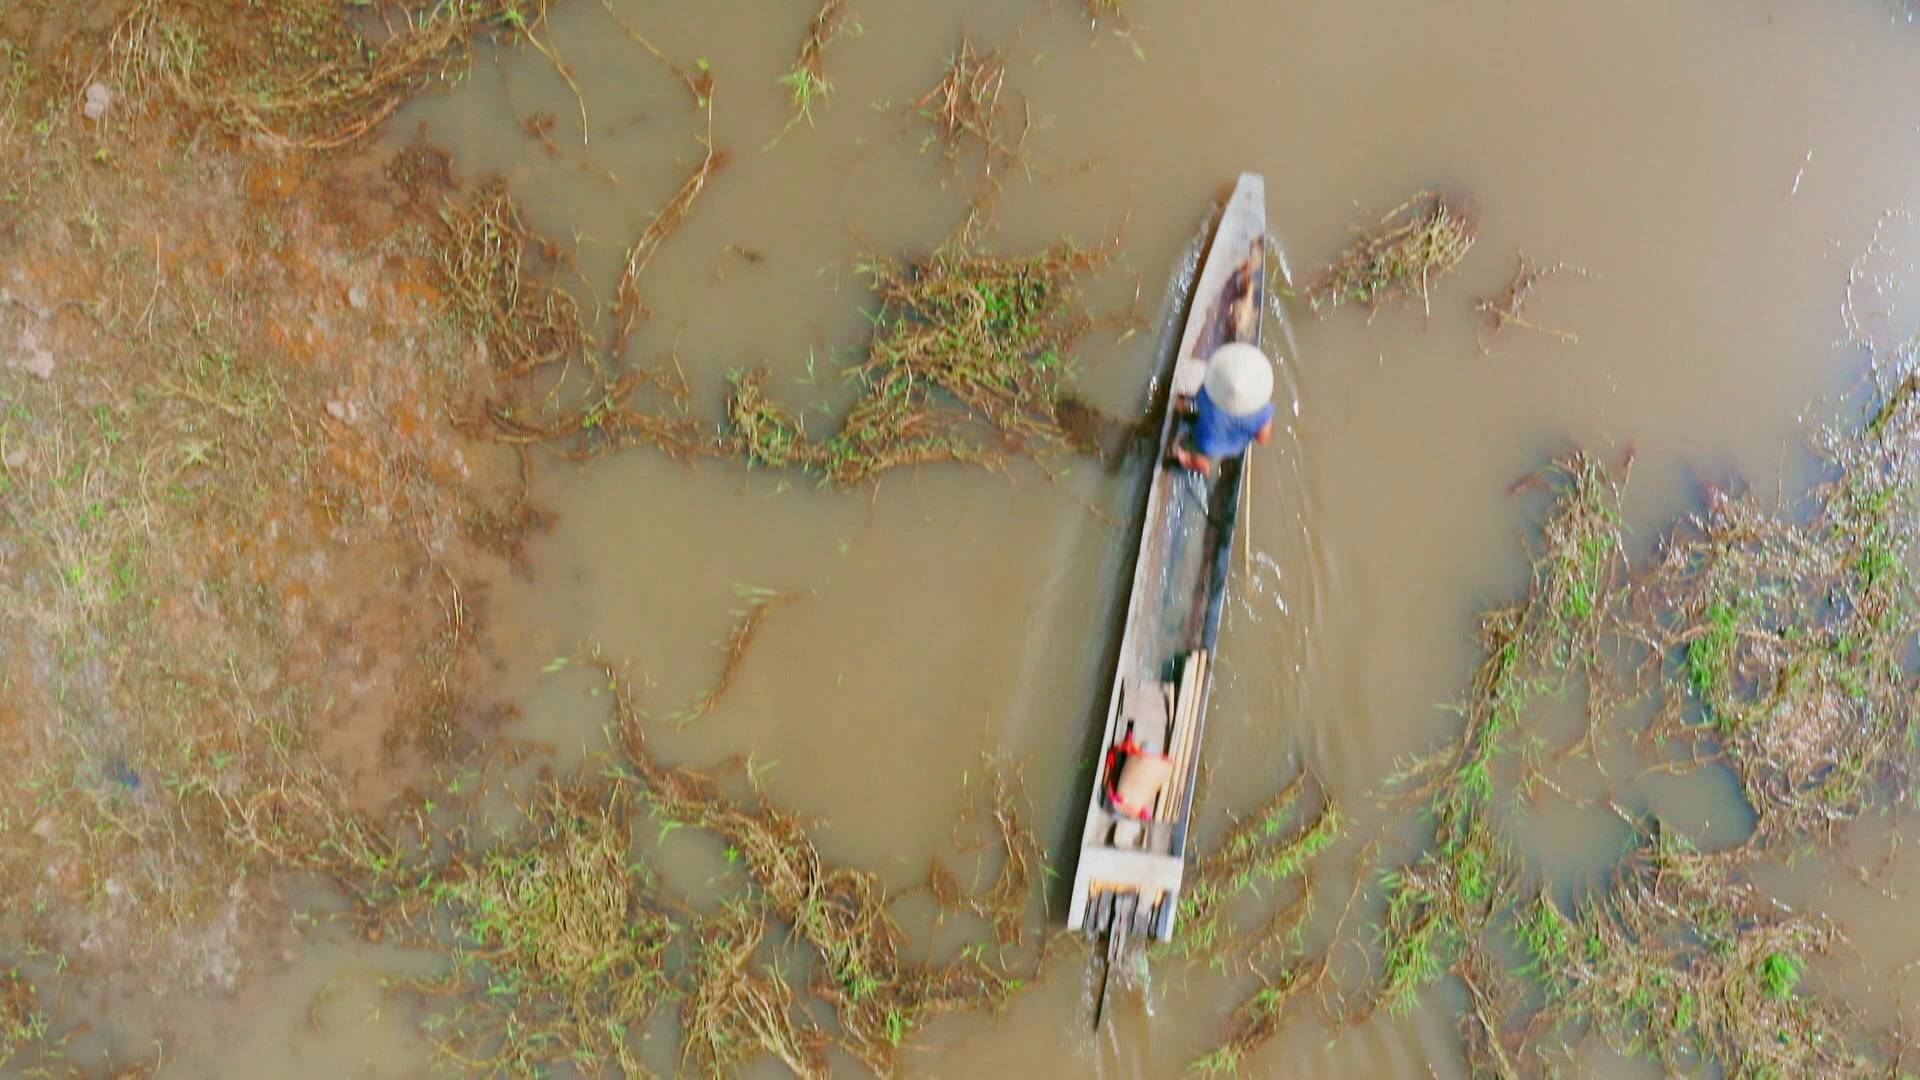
<point>769,433</point>
<point>1260,857</point>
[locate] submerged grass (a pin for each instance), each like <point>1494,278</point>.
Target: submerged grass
<point>999,821</point>
<point>1258,1019</point>
<point>293,76</point>
<point>1413,246</point>
<point>564,943</point>
<point>529,324</point>
<point>1779,643</point>
<point>501,282</point>
<point>243,524</point>
<point>769,433</point>
<point>971,358</point>
<point>629,309</point>
<point>1786,640</point>
<point>151,584</point>
<point>195,488</point>
<point>971,361</point>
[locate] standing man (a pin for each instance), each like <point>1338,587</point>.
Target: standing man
<point>1233,410</point>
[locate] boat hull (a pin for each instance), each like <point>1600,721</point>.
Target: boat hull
<point>1132,857</point>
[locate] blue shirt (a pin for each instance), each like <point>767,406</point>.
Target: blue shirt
<point>1220,436</point>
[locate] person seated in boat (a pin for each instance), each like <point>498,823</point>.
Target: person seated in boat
<point>1233,410</point>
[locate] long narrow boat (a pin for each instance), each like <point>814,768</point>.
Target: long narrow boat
<point>1133,848</point>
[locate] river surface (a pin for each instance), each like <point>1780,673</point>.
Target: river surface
<point>1714,167</point>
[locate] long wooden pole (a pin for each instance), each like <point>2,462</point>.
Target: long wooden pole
<point>1246,515</point>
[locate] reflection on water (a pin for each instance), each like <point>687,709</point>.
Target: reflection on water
<point>1712,165</point>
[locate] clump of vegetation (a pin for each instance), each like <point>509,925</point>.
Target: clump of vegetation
<point>1684,961</point>
<point>1776,642</point>
<point>1788,639</point>
<point>529,324</point>
<point>563,943</point>
<point>970,362</point>
<point>1413,246</point>
<point>1581,567</point>
<point>807,84</point>
<point>733,1013</point>
<point>769,433</point>
<point>559,948</point>
<point>878,994</point>
<point>1504,310</point>
<point>965,113</point>
<point>501,283</point>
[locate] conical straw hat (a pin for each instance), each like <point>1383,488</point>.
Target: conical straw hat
<point>1239,379</point>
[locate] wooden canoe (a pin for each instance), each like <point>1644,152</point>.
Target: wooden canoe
<point>1127,881</point>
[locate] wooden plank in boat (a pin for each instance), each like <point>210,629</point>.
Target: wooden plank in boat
<point>1145,870</point>
<point>1196,669</point>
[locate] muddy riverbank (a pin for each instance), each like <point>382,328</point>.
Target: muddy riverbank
<point>247,553</point>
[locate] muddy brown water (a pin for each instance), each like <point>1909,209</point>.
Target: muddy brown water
<point>1715,167</point>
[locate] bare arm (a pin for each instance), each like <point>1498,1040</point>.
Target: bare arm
<point>1266,434</point>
